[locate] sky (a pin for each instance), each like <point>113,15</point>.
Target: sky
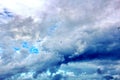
<point>46,39</point>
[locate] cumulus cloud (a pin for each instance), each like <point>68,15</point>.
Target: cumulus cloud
<point>45,34</point>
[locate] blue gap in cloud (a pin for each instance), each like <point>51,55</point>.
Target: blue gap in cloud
<point>34,49</point>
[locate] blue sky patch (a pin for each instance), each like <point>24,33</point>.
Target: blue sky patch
<point>25,45</point>
<point>34,50</point>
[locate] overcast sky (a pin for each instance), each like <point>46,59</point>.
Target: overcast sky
<point>46,39</point>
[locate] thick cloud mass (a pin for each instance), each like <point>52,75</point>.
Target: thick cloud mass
<point>46,40</point>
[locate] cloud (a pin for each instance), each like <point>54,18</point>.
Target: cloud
<point>24,8</point>
<point>84,70</point>
<point>60,32</point>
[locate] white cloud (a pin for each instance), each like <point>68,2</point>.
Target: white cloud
<point>24,7</point>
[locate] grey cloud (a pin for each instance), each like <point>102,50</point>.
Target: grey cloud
<point>65,29</point>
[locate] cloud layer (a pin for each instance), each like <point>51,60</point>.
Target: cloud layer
<point>42,36</point>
